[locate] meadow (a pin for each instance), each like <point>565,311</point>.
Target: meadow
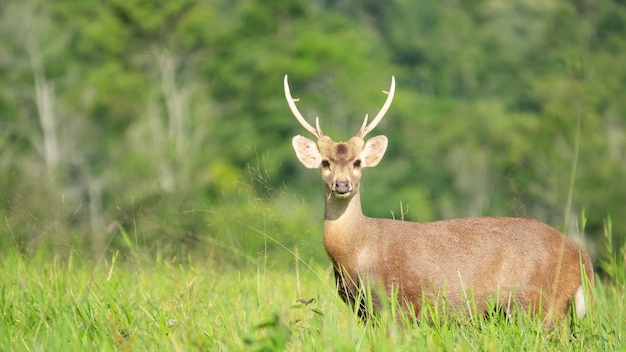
<point>54,302</point>
<point>150,198</point>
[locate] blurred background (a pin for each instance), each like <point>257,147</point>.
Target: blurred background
<point>162,125</point>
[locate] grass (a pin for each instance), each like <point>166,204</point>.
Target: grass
<point>133,302</point>
<point>139,304</point>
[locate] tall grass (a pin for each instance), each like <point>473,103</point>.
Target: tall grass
<point>52,302</point>
<point>143,300</point>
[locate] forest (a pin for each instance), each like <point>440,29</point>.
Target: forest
<point>163,125</point>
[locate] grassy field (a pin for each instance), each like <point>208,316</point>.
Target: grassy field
<point>52,304</point>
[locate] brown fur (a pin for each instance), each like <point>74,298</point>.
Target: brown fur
<point>492,258</point>
<point>472,262</point>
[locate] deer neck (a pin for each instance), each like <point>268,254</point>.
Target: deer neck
<point>343,218</point>
<point>342,209</point>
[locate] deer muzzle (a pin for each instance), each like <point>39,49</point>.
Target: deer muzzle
<point>342,187</point>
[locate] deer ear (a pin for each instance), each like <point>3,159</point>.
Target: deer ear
<point>307,152</point>
<point>373,151</point>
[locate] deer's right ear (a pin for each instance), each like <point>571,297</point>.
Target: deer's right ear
<point>373,151</point>
<point>307,152</point>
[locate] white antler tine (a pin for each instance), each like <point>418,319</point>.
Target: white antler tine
<point>363,126</point>
<point>317,132</point>
<point>364,131</point>
<point>320,134</point>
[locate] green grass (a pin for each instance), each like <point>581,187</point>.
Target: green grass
<point>71,304</point>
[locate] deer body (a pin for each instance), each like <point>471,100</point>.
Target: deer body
<point>469,263</point>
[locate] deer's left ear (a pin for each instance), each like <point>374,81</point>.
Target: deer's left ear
<point>373,151</point>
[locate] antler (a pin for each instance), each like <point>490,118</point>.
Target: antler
<point>317,132</point>
<point>365,128</point>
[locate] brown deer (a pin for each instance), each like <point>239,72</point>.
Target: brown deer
<point>472,265</point>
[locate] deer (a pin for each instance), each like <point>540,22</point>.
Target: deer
<point>473,266</point>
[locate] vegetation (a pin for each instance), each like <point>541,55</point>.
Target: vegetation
<point>146,304</point>
<point>149,115</point>
<point>147,176</point>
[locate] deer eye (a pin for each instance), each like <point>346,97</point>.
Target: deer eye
<point>357,163</point>
<point>325,164</point>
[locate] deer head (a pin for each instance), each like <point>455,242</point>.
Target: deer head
<point>340,163</point>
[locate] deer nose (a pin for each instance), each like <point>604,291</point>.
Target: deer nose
<point>342,187</point>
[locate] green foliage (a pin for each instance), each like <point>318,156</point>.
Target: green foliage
<point>613,263</point>
<point>144,303</point>
<point>167,118</point>
<point>150,198</point>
